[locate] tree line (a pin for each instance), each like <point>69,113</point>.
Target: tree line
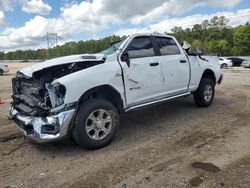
<point>215,36</point>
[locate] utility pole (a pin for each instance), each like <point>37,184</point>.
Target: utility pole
<point>52,40</point>
<point>48,40</point>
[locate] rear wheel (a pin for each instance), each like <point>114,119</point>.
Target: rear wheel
<point>1,72</point>
<point>204,95</point>
<point>96,124</point>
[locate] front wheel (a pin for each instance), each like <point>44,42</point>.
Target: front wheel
<point>204,95</point>
<point>96,123</point>
<point>224,66</point>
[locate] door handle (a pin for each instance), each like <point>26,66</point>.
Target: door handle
<point>183,61</point>
<point>154,64</point>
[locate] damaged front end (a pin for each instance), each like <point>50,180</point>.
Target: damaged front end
<point>43,129</point>
<point>38,107</point>
<point>36,97</point>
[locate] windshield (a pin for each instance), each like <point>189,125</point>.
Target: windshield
<point>112,48</point>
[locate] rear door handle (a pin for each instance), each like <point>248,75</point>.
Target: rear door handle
<point>154,64</point>
<point>183,61</point>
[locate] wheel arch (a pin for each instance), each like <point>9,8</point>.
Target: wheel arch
<point>208,73</point>
<point>106,92</point>
<point>226,65</point>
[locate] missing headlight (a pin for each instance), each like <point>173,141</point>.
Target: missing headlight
<point>60,91</point>
<point>57,93</point>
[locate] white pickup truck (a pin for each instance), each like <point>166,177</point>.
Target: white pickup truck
<point>3,69</point>
<point>83,95</point>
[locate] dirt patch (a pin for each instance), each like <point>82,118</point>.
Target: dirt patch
<point>161,166</point>
<point>234,175</point>
<point>154,147</point>
<point>196,181</point>
<point>10,137</point>
<point>209,167</point>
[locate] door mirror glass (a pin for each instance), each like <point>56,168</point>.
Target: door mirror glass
<point>125,58</point>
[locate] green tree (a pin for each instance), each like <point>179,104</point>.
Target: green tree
<point>214,35</point>
<point>205,25</point>
<point>2,55</point>
<point>222,22</point>
<point>241,39</point>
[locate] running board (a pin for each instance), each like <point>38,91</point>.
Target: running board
<point>155,102</point>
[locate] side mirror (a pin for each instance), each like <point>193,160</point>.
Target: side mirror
<point>186,46</point>
<point>125,58</point>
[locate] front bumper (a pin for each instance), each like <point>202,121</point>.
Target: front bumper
<point>6,69</point>
<point>43,129</point>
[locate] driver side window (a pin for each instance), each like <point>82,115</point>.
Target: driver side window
<point>140,47</point>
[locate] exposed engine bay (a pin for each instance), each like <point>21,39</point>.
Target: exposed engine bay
<point>36,96</point>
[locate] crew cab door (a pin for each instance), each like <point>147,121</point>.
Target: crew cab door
<point>175,66</point>
<point>143,76</point>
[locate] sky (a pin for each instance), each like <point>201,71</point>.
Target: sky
<point>25,23</point>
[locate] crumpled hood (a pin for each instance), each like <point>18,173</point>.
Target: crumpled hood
<point>28,71</point>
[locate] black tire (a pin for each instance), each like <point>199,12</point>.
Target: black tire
<point>1,72</point>
<point>200,95</point>
<point>224,66</point>
<point>80,134</point>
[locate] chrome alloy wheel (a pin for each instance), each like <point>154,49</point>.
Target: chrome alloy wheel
<point>208,92</point>
<point>99,124</point>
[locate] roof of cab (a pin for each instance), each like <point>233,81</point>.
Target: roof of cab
<point>150,34</point>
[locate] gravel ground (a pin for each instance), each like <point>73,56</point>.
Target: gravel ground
<point>175,144</point>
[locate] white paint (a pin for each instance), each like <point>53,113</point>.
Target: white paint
<point>143,83</point>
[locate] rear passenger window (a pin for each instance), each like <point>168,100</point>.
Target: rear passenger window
<point>167,46</point>
<point>140,47</point>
